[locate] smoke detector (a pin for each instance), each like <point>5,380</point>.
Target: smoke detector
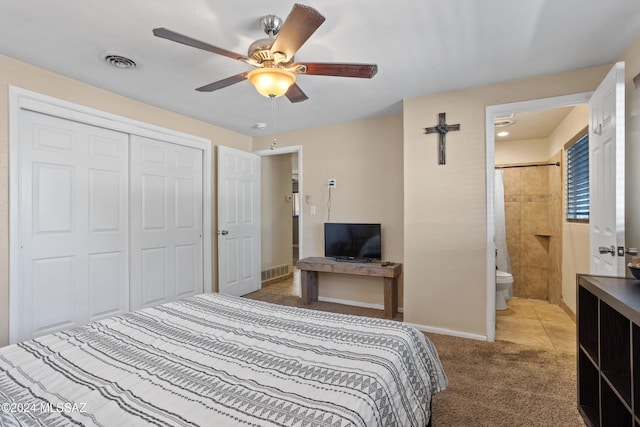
<point>119,60</point>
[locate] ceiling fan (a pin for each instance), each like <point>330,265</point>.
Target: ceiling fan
<point>273,57</point>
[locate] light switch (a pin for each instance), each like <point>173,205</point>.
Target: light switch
<point>312,210</point>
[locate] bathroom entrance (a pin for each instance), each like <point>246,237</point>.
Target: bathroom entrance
<point>529,149</point>
<point>603,118</point>
<point>525,144</point>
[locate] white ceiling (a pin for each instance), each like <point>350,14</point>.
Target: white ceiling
<point>420,46</point>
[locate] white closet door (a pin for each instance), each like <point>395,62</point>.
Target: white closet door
<point>74,224</point>
<point>166,222</point>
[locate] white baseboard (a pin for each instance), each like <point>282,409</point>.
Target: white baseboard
<point>442,331</point>
<point>423,328</point>
<point>356,303</point>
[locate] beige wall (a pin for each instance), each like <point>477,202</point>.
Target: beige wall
<point>25,76</point>
<point>575,236</point>
<point>365,158</point>
<point>571,125</point>
<point>522,151</point>
<point>276,211</point>
<point>445,206</point>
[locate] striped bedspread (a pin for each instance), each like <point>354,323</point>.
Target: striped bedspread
<point>217,360</point>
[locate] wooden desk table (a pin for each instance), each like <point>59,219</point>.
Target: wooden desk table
<point>310,267</point>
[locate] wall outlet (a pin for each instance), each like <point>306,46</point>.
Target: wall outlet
<point>332,183</point>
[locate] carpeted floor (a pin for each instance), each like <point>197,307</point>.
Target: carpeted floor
<point>490,384</point>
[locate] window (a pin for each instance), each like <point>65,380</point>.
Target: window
<point>578,180</point>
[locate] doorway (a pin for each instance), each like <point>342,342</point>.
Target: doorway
<point>493,112</point>
<point>281,216</point>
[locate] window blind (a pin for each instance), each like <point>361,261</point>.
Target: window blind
<point>578,180</point>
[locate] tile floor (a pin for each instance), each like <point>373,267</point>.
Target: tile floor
<point>536,323</point>
<point>286,287</point>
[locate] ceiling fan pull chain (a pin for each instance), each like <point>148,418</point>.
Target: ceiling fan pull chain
<point>273,119</point>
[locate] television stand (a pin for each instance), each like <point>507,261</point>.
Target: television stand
<point>310,267</point>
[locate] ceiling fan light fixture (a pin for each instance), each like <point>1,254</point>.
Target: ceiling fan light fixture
<point>271,82</point>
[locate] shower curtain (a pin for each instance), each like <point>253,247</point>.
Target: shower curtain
<point>500,238</point>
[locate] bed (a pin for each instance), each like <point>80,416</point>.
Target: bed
<point>218,360</point>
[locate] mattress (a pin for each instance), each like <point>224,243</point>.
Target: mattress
<point>218,360</point>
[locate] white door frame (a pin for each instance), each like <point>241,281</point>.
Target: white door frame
<point>491,112</point>
<point>22,99</point>
<point>286,150</point>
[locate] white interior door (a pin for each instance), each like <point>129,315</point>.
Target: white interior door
<point>73,230</point>
<point>606,175</point>
<point>166,222</point>
<point>238,221</point>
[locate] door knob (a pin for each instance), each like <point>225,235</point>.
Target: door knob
<point>607,250</point>
<point>598,129</point>
<point>223,232</point>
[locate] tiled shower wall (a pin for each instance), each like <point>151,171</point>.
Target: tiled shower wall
<point>533,213</point>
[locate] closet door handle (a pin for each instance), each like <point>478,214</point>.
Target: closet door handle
<point>223,232</point>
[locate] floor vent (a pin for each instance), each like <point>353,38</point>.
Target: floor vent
<point>276,274</point>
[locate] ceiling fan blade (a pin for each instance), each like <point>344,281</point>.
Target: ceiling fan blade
<point>365,71</point>
<point>297,28</point>
<point>295,94</point>
<point>165,33</point>
<point>223,83</point>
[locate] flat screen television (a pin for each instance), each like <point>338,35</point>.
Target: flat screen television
<point>358,242</point>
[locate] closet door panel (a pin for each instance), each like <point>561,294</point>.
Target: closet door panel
<point>53,287</point>
<point>105,195</point>
<point>166,222</point>
<point>53,198</point>
<point>186,267</point>
<point>153,275</point>
<point>106,287</point>
<point>73,208</point>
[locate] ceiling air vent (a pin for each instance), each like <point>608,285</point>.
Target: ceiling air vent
<point>503,123</point>
<point>119,61</point>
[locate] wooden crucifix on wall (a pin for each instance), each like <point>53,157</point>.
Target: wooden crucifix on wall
<point>442,128</point>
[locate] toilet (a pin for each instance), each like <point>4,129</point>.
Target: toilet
<point>504,289</point>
